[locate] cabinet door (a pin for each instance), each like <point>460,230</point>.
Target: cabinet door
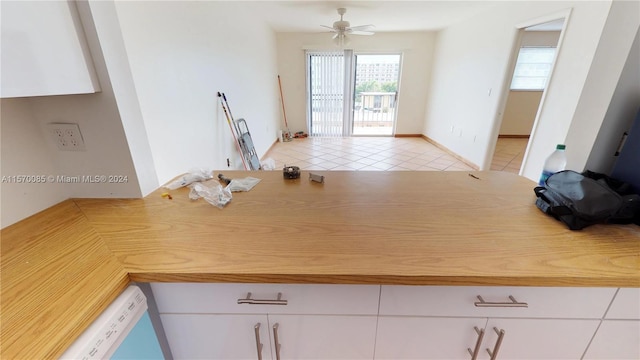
<point>323,336</point>
<point>626,305</point>
<point>616,339</point>
<point>538,339</point>
<point>205,336</point>
<point>44,50</point>
<point>427,338</point>
<point>627,167</point>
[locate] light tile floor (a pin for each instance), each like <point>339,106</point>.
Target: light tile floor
<point>380,154</point>
<point>508,155</point>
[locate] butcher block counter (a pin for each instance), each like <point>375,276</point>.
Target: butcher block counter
<point>62,267</point>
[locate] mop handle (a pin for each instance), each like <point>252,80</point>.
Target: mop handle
<point>233,132</point>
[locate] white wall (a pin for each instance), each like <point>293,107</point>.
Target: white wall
<point>28,150</point>
<point>181,54</point>
<point>102,28</point>
<point>416,47</point>
<point>623,109</point>
<point>25,152</point>
<point>469,66</point>
<point>604,75</point>
<point>540,38</point>
<point>470,73</point>
<point>520,112</point>
<point>166,65</point>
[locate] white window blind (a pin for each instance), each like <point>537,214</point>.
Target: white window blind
<point>326,74</point>
<point>533,68</point>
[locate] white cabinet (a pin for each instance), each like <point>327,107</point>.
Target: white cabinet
<point>402,337</point>
<point>626,305</point>
<point>300,299</point>
<point>417,322</point>
<point>44,50</point>
<point>618,337</point>
<point>324,337</point>
<point>216,321</point>
<point>538,339</point>
<point>541,302</point>
<point>207,336</point>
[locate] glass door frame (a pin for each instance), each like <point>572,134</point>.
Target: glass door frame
<point>352,93</point>
<point>349,92</point>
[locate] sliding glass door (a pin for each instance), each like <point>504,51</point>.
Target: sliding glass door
<point>351,94</point>
<point>375,94</point>
<point>326,85</point>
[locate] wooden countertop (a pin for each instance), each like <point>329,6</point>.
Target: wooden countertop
<point>57,277</point>
<point>422,228</point>
<point>365,227</point>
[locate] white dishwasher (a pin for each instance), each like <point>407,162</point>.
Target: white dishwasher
<point>123,331</point>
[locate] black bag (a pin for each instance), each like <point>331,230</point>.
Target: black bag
<point>579,201</point>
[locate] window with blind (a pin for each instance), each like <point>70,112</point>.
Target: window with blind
<point>533,68</point>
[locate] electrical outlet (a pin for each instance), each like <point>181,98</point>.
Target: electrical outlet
<point>66,136</point>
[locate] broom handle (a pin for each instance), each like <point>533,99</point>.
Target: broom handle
<point>284,113</point>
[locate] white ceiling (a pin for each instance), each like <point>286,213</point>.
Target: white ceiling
<point>387,16</point>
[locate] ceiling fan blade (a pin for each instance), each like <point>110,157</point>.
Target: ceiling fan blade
<point>363,28</point>
<point>361,33</point>
<point>329,27</point>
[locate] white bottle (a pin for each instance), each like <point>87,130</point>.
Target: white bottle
<point>554,163</point>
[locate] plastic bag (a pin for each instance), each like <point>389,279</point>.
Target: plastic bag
<point>268,164</point>
<point>193,176</point>
<point>245,184</point>
<point>215,194</point>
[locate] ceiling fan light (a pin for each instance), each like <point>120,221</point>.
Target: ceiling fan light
<point>341,40</point>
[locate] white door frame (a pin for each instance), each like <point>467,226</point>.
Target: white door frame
<point>504,92</point>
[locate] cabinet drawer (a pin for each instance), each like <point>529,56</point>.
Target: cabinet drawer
<point>459,301</point>
<point>626,305</point>
<point>300,299</point>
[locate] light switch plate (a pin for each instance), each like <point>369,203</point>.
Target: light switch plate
<point>66,136</point>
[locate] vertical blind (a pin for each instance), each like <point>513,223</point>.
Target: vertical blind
<point>326,85</point>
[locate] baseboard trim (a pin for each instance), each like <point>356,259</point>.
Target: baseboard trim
<point>445,149</point>
<point>407,135</point>
<point>513,136</point>
<point>269,150</point>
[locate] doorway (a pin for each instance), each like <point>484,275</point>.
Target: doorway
<point>534,57</point>
<point>352,94</point>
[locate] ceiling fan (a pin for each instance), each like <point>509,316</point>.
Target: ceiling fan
<point>342,28</point>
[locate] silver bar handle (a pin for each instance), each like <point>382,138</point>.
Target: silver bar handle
<point>276,342</point>
<point>496,347</point>
<point>250,301</point>
<point>476,351</point>
<point>256,329</point>
<point>512,303</point>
